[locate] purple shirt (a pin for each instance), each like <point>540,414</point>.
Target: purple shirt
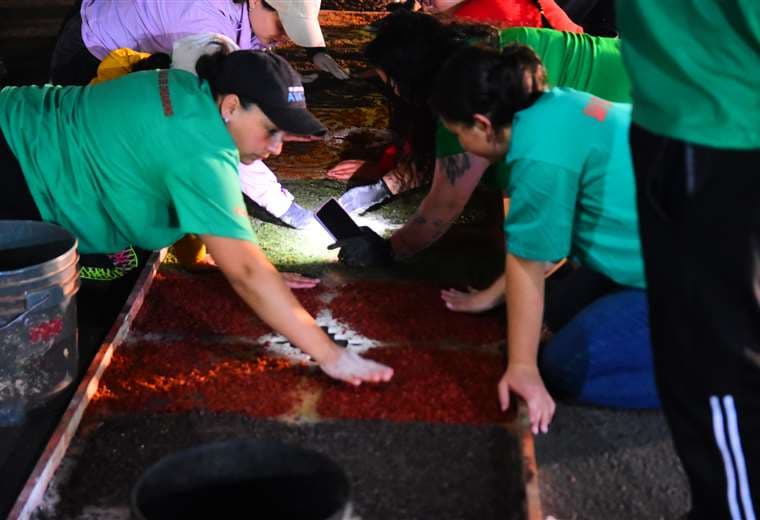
<point>154,25</point>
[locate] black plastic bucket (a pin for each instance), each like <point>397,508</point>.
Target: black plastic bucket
<point>39,279</point>
<point>243,479</point>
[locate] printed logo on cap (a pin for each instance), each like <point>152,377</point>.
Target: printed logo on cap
<point>296,95</point>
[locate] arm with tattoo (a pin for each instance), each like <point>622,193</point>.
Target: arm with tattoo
<point>454,180</point>
<point>454,166</point>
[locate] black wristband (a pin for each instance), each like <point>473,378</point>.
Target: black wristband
<point>385,187</point>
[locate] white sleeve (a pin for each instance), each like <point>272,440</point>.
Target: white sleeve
<point>260,184</point>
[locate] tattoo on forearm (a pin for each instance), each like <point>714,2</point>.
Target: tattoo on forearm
<point>419,233</point>
<point>454,166</point>
<point>439,228</point>
<point>431,230</point>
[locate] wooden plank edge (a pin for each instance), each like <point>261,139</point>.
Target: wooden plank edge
<point>520,429</point>
<point>533,510</point>
<point>34,490</point>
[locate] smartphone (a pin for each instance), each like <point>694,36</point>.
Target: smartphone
<point>337,221</point>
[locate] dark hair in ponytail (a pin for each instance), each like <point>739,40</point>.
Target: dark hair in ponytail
<point>477,80</point>
<point>209,67</point>
<point>158,60</point>
<point>410,48</point>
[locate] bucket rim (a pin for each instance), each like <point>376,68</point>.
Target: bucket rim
<point>211,446</point>
<point>74,248</point>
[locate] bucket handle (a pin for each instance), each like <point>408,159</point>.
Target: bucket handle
<point>35,305</point>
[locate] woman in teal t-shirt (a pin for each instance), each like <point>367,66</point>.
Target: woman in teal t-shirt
<point>570,180</point>
<point>408,50</point>
<point>153,156</point>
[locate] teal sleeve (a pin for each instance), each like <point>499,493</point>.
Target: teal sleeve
<point>208,200</point>
<point>542,210</point>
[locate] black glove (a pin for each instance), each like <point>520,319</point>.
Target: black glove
<point>366,250</point>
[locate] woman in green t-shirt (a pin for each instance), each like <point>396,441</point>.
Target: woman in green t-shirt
<point>150,157</point>
<point>570,181</point>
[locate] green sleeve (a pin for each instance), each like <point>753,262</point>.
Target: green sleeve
<point>592,64</point>
<point>542,210</point>
<point>546,43</point>
<point>446,143</point>
<point>207,198</point>
<point>525,35</point>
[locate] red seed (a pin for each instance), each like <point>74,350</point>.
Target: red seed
<point>433,385</point>
<point>177,377</point>
<point>409,312</point>
<point>204,305</point>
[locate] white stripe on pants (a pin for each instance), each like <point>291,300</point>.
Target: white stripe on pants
<point>733,456</point>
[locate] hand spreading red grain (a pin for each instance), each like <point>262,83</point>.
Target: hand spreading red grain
<point>344,170</point>
<point>354,369</point>
<point>294,138</point>
<point>299,281</point>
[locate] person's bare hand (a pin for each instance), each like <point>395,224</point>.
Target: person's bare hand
<point>472,300</point>
<point>353,369</point>
<point>524,380</point>
<point>299,281</point>
<point>344,170</point>
<point>290,138</point>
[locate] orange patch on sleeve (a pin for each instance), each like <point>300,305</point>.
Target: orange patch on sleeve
<point>597,108</point>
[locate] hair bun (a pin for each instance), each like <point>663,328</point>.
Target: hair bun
<point>210,66</point>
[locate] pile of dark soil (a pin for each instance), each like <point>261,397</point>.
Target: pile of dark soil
<point>412,470</point>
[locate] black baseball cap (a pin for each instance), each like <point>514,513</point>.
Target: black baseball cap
<point>269,81</point>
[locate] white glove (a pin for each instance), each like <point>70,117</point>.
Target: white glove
<point>308,78</point>
<point>360,198</point>
<point>186,51</point>
<point>325,62</point>
<point>352,368</point>
<point>297,216</point>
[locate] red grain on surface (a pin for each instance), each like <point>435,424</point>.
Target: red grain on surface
<point>432,385</point>
<point>177,377</point>
<point>311,299</point>
<point>205,304</point>
<point>411,312</point>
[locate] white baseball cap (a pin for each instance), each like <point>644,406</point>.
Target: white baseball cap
<point>300,18</point>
